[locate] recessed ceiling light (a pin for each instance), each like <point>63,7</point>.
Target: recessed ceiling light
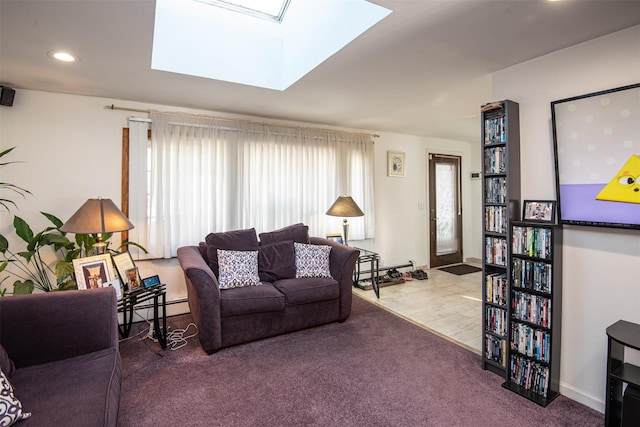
<point>63,56</point>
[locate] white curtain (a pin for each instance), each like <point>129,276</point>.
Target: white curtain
<point>206,174</point>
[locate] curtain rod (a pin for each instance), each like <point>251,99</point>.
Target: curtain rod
<point>140,110</point>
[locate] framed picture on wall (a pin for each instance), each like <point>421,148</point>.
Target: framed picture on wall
<point>539,210</point>
<point>395,163</point>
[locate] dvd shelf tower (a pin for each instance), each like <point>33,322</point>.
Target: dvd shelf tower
<point>500,201</point>
<point>535,313</point>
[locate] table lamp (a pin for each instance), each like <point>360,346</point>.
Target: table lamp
<point>344,206</point>
<point>97,216</point>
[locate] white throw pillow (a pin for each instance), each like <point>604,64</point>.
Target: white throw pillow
<point>10,407</point>
<point>312,260</point>
<point>238,269</point>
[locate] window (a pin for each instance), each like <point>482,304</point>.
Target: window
<point>267,9</point>
<point>200,174</point>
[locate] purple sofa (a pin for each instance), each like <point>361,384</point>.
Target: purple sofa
<point>63,359</point>
<point>282,303</point>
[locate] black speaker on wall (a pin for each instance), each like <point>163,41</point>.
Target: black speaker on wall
<point>6,96</point>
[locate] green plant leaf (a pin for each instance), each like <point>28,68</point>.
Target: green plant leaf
<point>22,229</point>
<point>4,244</point>
<point>12,187</point>
<point>130,243</point>
<point>35,242</point>
<point>27,255</point>
<point>57,240</point>
<point>7,151</point>
<point>2,267</point>
<point>68,285</point>
<point>22,288</point>
<point>63,270</point>
<point>72,254</point>
<point>54,219</point>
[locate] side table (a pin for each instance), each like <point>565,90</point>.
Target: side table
<point>620,335</point>
<point>131,299</point>
<point>374,259</point>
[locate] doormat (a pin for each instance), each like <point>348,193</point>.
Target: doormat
<point>460,269</point>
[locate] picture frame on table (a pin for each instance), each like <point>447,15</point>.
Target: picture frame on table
<point>123,262</point>
<point>395,163</point>
<point>539,211</point>
<point>115,283</point>
<point>336,237</point>
<point>133,278</point>
<point>94,271</point>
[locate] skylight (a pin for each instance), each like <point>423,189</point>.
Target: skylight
<point>266,9</point>
<point>193,37</point>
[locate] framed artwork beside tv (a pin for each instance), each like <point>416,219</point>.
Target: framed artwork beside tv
<point>597,154</point>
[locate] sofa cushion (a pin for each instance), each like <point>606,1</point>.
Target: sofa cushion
<point>249,300</point>
<point>202,247</point>
<point>312,260</point>
<point>236,240</point>
<point>296,232</point>
<point>276,261</point>
<point>10,407</point>
<point>6,364</point>
<point>307,290</point>
<point>79,391</point>
<point>237,269</point>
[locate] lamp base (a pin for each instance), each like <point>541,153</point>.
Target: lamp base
<point>99,247</point>
<point>345,231</point>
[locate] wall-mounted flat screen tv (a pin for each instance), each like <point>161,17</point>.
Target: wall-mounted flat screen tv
<point>597,153</point>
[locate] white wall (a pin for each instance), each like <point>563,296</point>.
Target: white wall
<point>402,231</point>
<point>72,149</point>
<point>601,267</point>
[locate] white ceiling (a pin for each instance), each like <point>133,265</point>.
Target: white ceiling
<point>424,70</point>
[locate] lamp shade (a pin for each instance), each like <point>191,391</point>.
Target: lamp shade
<point>97,216</point>
<point>344,206</point>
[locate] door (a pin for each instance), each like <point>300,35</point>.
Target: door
<point>445,210</point>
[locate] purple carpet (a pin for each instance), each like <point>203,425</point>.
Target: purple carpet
<point>375,369</point>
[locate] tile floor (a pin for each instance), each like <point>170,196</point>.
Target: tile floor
<point>446,304</point>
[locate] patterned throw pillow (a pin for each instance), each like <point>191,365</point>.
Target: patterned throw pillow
<point>10,407</point>
<point>312,260</point>
<point>237,269</point>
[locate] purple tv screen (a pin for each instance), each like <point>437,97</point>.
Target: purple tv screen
<point>597,152</point>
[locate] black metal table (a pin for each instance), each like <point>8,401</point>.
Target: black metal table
<point>374,259</point>
<point>132,299</point>
<point>620,335</point>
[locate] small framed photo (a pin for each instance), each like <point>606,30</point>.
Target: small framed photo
<point>395,163</point>
<point>336,237</point>
<point>94,271</point>
<point>123,262</point>
<point>133,278</point>
<point>115,283</point>
<point>539,210</point>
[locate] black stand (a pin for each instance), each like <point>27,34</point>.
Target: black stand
<point>620,335</point>
<point>131,299</point>
<point>374,259</point>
